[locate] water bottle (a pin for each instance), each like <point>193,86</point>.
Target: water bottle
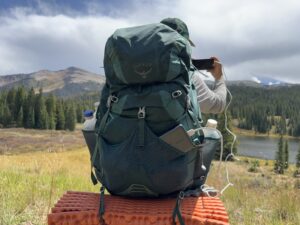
<point>90,121</point>
<point>88,130</point>
<point>210,130</point>
<point>212,140</point>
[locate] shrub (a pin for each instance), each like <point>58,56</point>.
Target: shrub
<point>254,166</point>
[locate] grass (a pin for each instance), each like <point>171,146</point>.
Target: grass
<point>259,198</point>
<point>32,182</point>
<point>19,140</point>
<point>252,133</point>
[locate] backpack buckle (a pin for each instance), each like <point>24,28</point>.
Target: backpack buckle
<point>114,99</point>
<point>141,112</point>
<point>111,99</point>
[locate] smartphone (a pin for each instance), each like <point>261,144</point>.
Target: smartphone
<point>178,138</point>
<point>203,64</point>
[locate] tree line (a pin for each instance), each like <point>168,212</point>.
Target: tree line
<point>263,110</point>
<point>26,108</point>
<point>267,110</point>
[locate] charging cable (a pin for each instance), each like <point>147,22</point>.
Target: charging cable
<point>231,154</point>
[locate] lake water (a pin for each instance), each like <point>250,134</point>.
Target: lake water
<point>264,147</point>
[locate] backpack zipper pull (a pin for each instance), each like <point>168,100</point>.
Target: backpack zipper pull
<point>141,126</point>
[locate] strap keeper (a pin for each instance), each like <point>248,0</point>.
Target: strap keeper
<point>114,99</point>
<point>176,94</point>
<point>111,99</point>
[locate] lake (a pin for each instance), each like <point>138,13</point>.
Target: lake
<point>264,147</point>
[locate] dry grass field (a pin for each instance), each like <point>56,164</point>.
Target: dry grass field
<point>19,140</point>
<point>31,182</point>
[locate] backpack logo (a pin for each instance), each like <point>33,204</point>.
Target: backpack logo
<point>143,69</point>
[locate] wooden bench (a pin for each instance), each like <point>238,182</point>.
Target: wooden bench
<point>81,208</point>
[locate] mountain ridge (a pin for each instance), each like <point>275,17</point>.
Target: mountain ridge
<point>74,81</point>
<point>67,82</point>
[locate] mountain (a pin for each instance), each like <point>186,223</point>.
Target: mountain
<point>72,81</point>
<point>247,83</point>
<point>263,83</point>
<point>268,81</point>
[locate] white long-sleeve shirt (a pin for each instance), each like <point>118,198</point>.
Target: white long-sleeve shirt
<point>210,101</point>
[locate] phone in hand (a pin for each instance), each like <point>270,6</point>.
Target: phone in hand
<point>203,64</point>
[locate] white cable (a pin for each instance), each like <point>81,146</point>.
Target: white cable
<point>231,154</point>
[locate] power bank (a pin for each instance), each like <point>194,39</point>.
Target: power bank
<point>178,138</point>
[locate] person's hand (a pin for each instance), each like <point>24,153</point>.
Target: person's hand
<point>216,71</point>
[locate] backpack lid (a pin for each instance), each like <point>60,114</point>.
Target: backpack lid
<point>150,53</point>
<point>179,26</point>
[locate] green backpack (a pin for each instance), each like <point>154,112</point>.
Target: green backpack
<point>148,92</point>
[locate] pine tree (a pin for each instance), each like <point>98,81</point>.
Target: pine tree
<point>51,109</point>
<point>7,117</point>
<point>60,116</point>
<point>30,121</point>
<point>71,117</point>
<point>41,115</point>
<point>37,110</point>
<point>44,120</point>
<point>20,118</point>
<point>79,113</point>
<point>10,101</point>
<point>19,102</point>
<point>298,158</point>
<point>279,159</point>
<point>1,111</point>
<point>28,110</point>
<point>286,154</point>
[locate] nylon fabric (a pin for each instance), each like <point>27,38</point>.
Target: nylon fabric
<point>165,55</point>
<point>148,71</point>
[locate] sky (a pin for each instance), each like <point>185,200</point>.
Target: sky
<point>252,38</point>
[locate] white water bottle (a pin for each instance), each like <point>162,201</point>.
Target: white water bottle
<point>210,130</point>
<point>90,121</point>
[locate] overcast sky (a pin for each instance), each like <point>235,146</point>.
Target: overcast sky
<point>252,38</point>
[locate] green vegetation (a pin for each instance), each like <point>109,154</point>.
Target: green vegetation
<point>227,137</point>
<point>25,108</point>
<point>286,154</point>
<point>267,110</point>
<point>254,166</point>
<point>298,159</point>
<point>262,198</point>
<point>297,170</point>
<point>262,110</point>
<point>279,165</point>
<point>31,183</point>
<point>282,156</point>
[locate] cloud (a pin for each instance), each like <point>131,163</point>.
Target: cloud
<point>33,42</point>
<point>250,37</point>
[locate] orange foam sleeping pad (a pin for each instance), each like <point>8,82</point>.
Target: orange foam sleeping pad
<point>81,208</point>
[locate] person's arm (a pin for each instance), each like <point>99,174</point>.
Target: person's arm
<point>211,101</point>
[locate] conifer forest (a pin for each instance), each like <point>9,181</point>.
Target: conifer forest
<point>26,108</point>
<point>261,109</point>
